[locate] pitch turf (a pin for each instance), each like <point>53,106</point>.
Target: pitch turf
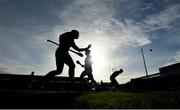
<point>118,99</point>
<point>92,99</point>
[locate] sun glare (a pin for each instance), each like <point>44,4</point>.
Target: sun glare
<point>98,59</point>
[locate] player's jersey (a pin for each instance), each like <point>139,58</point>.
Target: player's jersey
<point>115,74</point>
<point>66,41</point>
<point>88,63</point>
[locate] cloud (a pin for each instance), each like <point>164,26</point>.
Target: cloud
<point>173,59</point>
<point>25,34</point>
<point>98,25</point>
<point>163,19</point>
<point>14,66</point>
<point>175,37</point>
<point>176,57</point>
<point>4,70</point>
<point>95,20</point>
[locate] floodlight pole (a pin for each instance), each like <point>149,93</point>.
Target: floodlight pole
<point>144,62</point>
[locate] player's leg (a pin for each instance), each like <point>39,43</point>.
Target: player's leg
<point>83,74</point>
<point>68,60</point>
<point>59,66</point>
<point>90,76</point>
<point>113,81</point>
<point>83,80</point>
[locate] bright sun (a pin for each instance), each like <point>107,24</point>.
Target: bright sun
<point>98,59</point>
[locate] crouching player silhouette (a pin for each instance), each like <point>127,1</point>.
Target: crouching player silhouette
<point>113,77</point>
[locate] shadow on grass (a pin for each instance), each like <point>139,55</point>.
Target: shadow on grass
<point>37,99</point>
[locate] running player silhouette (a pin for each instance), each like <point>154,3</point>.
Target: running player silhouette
<point>88,67</point>
<point>66,40</point>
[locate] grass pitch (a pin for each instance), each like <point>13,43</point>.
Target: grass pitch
<point>90,100</point>
<point>118,99</point>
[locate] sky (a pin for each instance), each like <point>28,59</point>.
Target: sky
<point>117,30</point>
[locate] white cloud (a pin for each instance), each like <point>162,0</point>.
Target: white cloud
<point>97,25</point>
<point>175,37</point>
<point>95,20</point>
<point>176,57</point>
<point>14,66</point>
<point>4,70</point>
<point>163,19</point>
<point>173,59</point>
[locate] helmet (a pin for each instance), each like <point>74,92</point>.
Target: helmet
<point>87,52</point>
<point>121,70</point>
<point>75,33</point>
